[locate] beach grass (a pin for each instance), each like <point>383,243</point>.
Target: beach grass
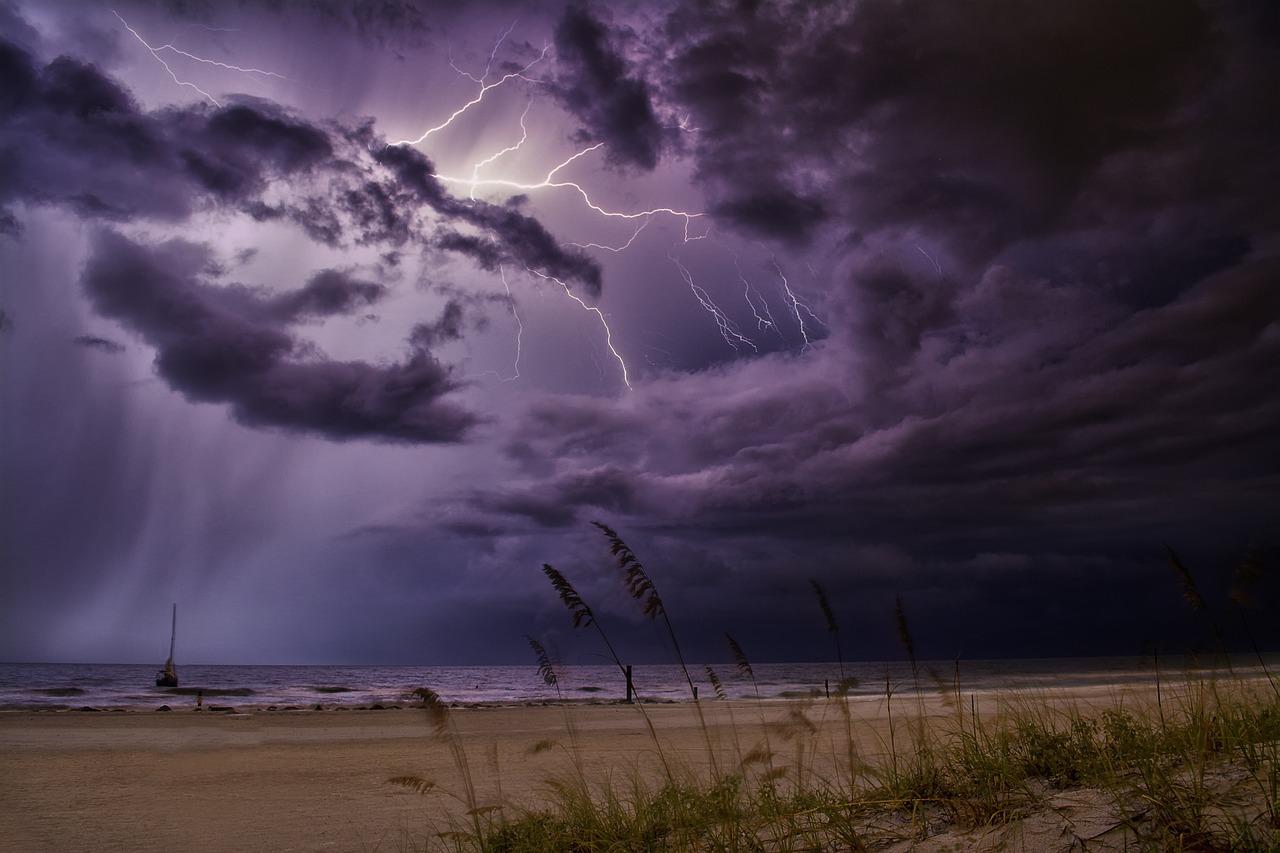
<point>1192,766</point>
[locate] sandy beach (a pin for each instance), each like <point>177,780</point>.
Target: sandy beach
<point>308,780</point>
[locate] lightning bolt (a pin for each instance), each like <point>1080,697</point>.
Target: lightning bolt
<point>549,182</point>
<point>511,301</point>
<point>485,87</point>
<point>936,265</point>
<point>155,52</point>
<point>796,305</point>
<point>765,322</point>
<point>608,333</point>
<point>728,329</point>
<point>524,136</point>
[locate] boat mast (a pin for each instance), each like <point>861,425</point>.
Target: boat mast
<point>173,634</point>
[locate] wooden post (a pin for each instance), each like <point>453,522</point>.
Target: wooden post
<point>695,693</point>
<point>630,688</point>
<point>826,685</point>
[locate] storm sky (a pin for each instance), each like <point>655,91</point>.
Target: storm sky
<point>332,322</point>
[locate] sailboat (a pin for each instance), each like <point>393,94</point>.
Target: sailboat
<point>168,677</point>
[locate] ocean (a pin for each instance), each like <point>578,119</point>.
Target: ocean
<point>28,686</point>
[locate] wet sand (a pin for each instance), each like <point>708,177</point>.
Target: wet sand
<point>307,780</point>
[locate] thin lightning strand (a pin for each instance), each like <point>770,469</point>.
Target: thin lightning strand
<point>936,265</point>
<point>155,52</point>
<point>615,249</point>
<point>703,236</point>
<point>796,305</point>
<point>682,124</point>
<point>808,310</point>
<point>765,322</point>
<point>608,333</point>
<point>192,56</point>
<point>493,54</point>
<point>524,136</point>
<point>485,87</point>
<point>728,329</point>
<point>511,301</point>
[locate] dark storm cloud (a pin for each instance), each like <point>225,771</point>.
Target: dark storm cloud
<point>527,241</point>
<point>384,22</point>
<point>1052,293</point>
<point>985,433</point>
<point>239,140</point>
<point>447,327</point>
<point>222,343</point>
<point>326,293</point>
<point>75,137</point>
<point>772,211</point>
<point>518,237</point>
<point>594,83</point>
<point>486,253</point>
<point>983,122</point>
<point>556,502</point>
<point>98,343</point>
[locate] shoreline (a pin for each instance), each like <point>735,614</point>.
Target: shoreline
<point>225,701</point>
<point>71,687</point>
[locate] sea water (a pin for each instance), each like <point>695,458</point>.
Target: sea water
<point>28,686</point>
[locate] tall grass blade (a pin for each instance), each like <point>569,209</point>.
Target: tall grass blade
<point>578,609</point>
<point>832,626</point>
<point>740,658</point>
<point>905,639</point>
<point>637,581</point>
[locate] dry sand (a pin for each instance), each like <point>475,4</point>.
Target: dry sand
<point>303,780</point>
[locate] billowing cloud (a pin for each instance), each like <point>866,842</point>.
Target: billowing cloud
<point>594,83</point>
<point>75,137</point>
<point>982,125</point>
<point>326,293</point>
<point>224,344</point>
